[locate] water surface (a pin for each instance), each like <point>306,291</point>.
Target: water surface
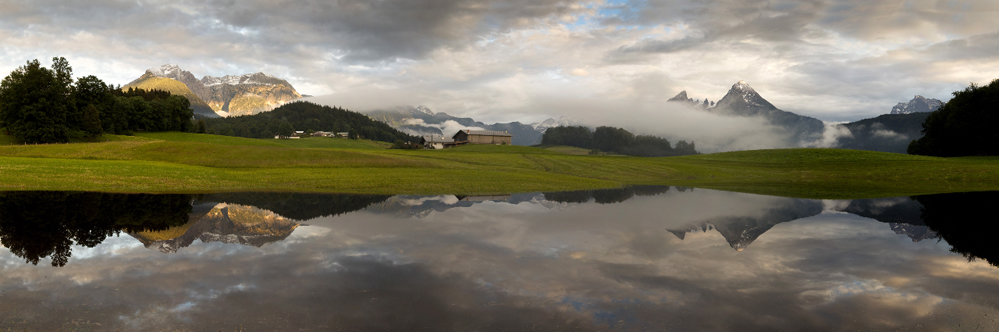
<point>641,258</point>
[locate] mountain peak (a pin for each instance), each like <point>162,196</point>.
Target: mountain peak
<point>918,104</point>
<point>743,87</point>
<point>742,96</point>
<point>165,70</point>
<point>424,110</point>
<point>682,96</point>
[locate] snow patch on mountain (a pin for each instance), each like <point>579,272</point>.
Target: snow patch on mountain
<point>918,104</point>
<point>255,78</point>
<point>167,70</point>
<point>424,110</point>
<point>562,121</point>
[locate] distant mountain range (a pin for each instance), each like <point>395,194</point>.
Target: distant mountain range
<point>887,133</point>
<point>223,96</point>
<point>918,104</point>
<point>422,121</point>
<point>742,100</point>
<point>890,132</point>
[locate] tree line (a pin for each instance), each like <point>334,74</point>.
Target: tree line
<point>42,105</point>
<point>616,140</point>
<point>964,126</point>
<point>308,117</point>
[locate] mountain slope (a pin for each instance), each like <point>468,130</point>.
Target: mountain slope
<point>743,100</point>
<point>306,116</point>
<point>248,94</point>
<point>885,133</point>
<point>918,104</point>
<point>231,95</point>
<point>421,121</point>
<point>151,82</point>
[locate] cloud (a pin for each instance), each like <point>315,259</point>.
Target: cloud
<point>488,59</point>
<point>889,134</point>
<point>831,135</point>
<point>448,128</point>
<point>674,121</point>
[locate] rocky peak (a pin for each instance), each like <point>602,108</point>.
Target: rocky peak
<point>167,70</point>
<point>424,110</point>
<point>743,99</point>
<point>743,87</point>
<point>258,78</point>
<point>682,96</point>
<point>918,104</point>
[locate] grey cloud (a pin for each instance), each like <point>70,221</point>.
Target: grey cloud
<point>383,30</point>
<point>781,20</point>
<point>875,20</point>
<point>975,47</point>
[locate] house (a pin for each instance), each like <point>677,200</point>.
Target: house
<point>435,142</point>
<point>343,134</point>
<point>482,137</point>
<point>298,133</point>
<point>322,134</point>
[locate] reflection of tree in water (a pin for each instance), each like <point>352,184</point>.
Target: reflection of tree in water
<point>35,225</point>
<point>605,196</point>
<point>961,220</point>
<point>299,206</point>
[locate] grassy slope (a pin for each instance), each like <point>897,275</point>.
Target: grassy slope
<point>170,85</point>
<point>178,162</point>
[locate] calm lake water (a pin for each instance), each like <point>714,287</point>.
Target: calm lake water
<point>642,258</point>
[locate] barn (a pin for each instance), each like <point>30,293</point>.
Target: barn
<point>482,137</point>
<point>432,142</point>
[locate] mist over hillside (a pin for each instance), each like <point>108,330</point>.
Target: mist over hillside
<point>742,119</point>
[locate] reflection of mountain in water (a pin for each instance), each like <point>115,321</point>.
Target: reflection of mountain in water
<point>423,206</point>
<point>607,196</point>
<point>299,206</point>
<point>406,206</point>
<point>226,223</point>
<point>741,231</point>
<point>903,215</point>
<point>253,219</point>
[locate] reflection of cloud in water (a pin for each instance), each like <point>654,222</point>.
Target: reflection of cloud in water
<point>521,266</point>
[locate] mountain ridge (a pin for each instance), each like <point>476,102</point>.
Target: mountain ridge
<point>422,121</point>
<point>151,82</point>
<point>231,94</point>
<point>918,104</point>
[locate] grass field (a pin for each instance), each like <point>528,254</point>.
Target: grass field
<point>181,162</point>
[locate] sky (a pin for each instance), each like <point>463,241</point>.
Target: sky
<point>528,60</point>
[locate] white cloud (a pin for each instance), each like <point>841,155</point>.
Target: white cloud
<point>835,61</point>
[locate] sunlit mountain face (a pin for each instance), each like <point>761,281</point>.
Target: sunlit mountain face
<point>637,258</point>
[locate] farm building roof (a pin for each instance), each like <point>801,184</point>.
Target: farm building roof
<point>434,139</point>
<point>487,133</point>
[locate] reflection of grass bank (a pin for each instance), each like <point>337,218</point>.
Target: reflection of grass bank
<point>175,162</point>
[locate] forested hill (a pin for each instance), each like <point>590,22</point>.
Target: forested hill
<point>306,116</point>
<point>615,140</point>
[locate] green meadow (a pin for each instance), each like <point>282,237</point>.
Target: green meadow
<point>182,162</point>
